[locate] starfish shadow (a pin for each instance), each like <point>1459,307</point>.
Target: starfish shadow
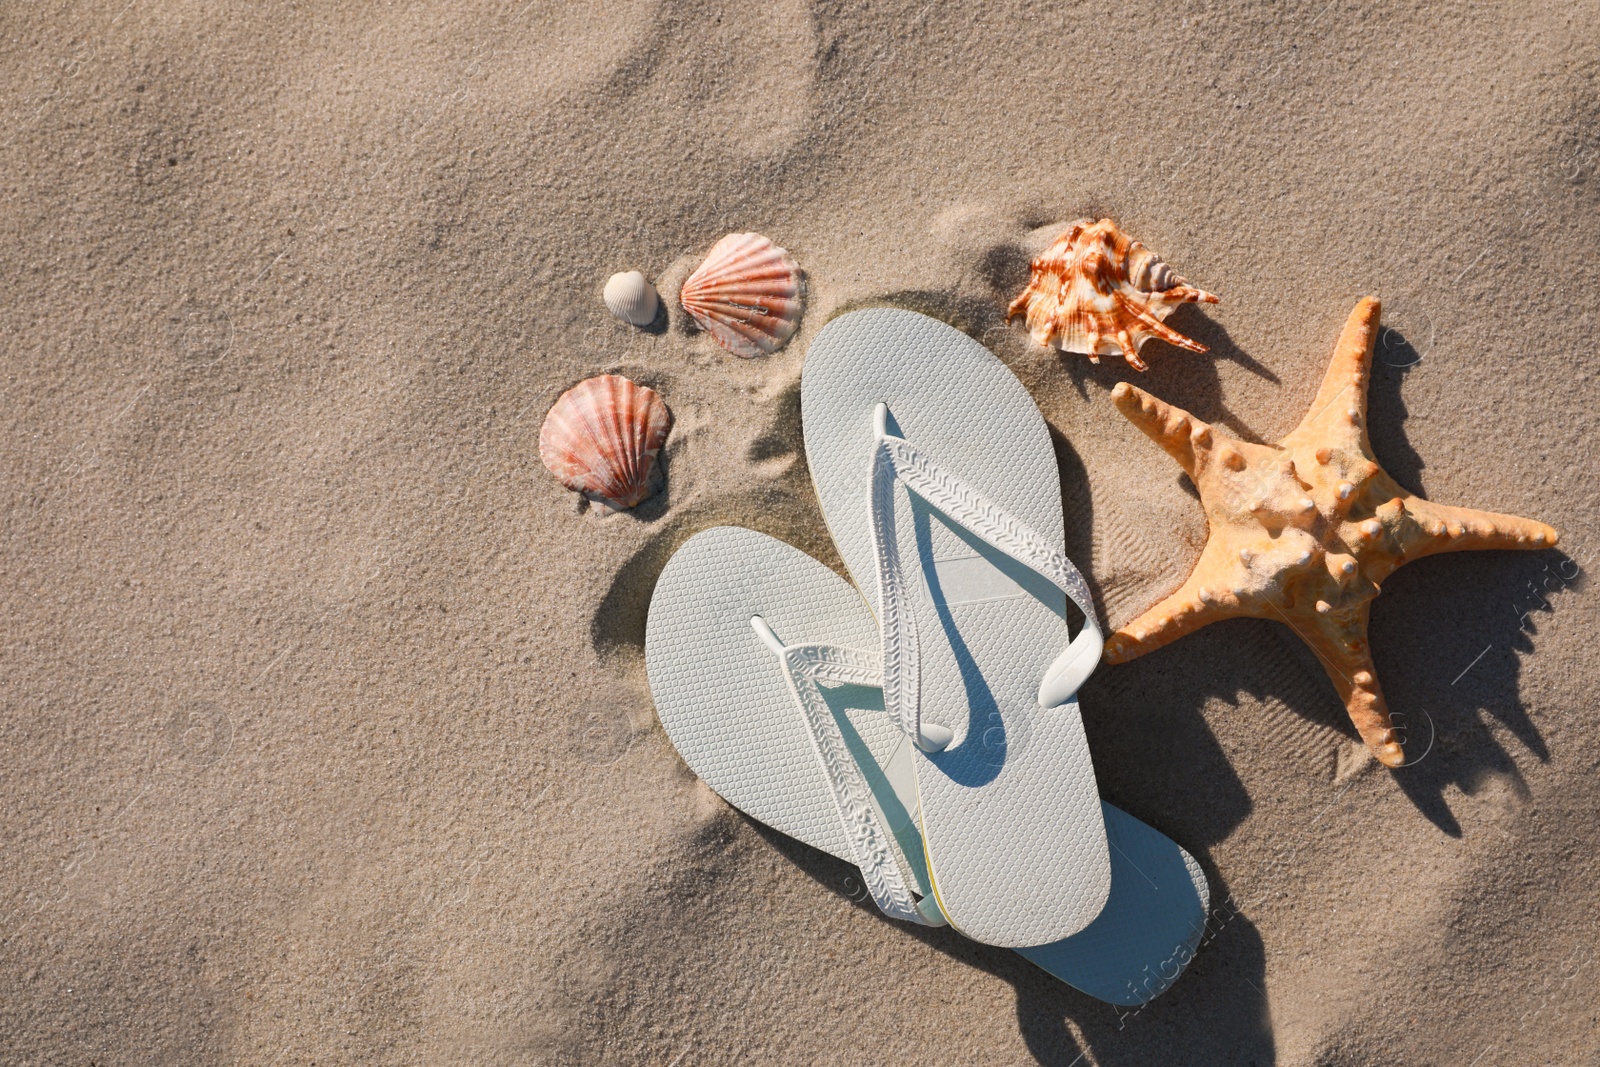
<point>1450,643</point>
<point>1449,632</point>
<point>1448,746</point>
<point>1386,411</point>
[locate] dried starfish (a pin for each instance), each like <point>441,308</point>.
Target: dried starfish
<point>1306,530</point>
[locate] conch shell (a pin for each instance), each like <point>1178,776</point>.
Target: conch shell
<point>602,437</point>
<point>1096,292</point>
<point>748,294</point>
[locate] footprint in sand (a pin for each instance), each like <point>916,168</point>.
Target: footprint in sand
<point>756,70</point>
<point>745,72</point>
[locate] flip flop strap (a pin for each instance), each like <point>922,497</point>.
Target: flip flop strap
<point>896,459</point>
<point>804,666</point>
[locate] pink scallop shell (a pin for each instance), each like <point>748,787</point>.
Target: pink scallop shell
<point>602,438</point>
<point>748,294</point>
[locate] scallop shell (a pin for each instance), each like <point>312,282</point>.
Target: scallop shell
<point>602,437</point>
<point>747,294</point>
<point>631,298</point>
<point>1099,293</point>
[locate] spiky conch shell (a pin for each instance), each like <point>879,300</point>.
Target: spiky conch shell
<point>1097,292</point>
<point>602,437</point>
<point>748,294</point>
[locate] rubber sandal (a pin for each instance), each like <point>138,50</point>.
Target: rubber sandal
<point>764,668</point>
<point>939,484</point>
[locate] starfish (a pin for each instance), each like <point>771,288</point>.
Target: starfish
<point>1304,531</point>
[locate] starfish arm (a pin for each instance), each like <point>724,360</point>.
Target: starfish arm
<point>1442,528</point>
<point>1340,642</point>
<point>1338,415</point>
<point>1191,606</point>
<point>1168,426</point>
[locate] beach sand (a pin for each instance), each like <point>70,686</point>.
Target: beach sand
<point>326,733</point>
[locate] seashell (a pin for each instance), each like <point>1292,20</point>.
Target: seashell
<point>1099,293</point>
<point>631,298</point>
<point>602,436</point>
<point>1307,530</point>
<point>748,294</point>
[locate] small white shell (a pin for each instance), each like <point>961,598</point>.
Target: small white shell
<point>631,298</point>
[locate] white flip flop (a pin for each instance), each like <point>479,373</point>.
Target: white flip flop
<point>784,718</point>
<point>939,485</point>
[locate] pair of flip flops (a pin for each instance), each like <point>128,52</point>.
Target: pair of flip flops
<point>924,728</point>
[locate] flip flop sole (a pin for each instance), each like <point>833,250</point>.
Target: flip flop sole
<point>722,697</point>
<point>1010,812</point>
<point>1150,927</point>
<point>725,706</point>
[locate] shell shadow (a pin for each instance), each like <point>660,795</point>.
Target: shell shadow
<point>1187,379</point>
<point>1194,323</point>
<point>1174,375</point>
<point>657,326</point>
<point>1005,268</point>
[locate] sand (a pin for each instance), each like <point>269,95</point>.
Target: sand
<point>326,732</point>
